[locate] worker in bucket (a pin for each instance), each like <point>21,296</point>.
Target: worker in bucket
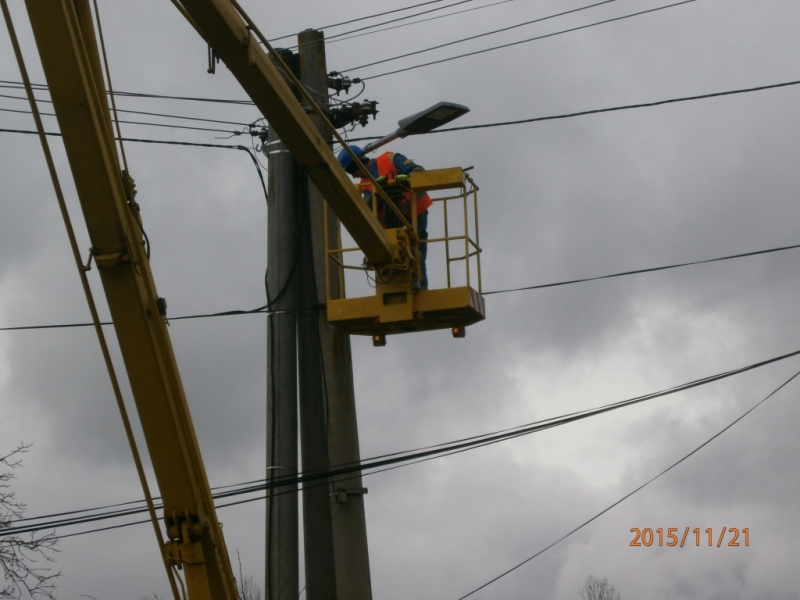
<point>387,168</point>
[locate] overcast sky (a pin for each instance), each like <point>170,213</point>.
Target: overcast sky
<point>559,200</point>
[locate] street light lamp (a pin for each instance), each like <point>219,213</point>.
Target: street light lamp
<point>427,120</point>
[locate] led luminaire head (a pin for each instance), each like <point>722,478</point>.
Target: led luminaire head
<point>437,115</point>
<point>427,120</point>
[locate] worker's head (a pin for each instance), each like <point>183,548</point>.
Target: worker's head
<point>347,162</point>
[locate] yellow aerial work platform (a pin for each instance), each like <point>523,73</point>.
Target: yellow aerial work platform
<point>397,305</point>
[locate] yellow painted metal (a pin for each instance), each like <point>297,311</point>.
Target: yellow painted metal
<point>65,38</point>
<point>427,310</point>
<point>397,307</point>
<point>438,179</point>
<point>227,32</point>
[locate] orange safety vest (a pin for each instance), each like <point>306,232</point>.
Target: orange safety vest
<point>386,167</point>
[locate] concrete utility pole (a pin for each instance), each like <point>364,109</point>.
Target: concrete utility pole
<point>284,219</point>
<point>336,553</point>
<point>302,343</point>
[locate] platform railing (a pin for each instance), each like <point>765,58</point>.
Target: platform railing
<point>460,226</point>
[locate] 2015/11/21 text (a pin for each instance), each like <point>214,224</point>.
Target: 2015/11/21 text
<point>650,537</point>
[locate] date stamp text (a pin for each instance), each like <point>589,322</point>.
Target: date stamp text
<point>672,536</point>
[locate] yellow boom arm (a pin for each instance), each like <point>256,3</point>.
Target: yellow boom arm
<point>229,35</point>
<point>65,38</point>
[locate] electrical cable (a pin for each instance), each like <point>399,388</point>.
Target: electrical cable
<point>436,451</point>
<point>185,98</point>
<point>199,145</point>
<point>567,115</point>
<point>433,458</point>
<point>539,37</point>
<point>639,271</point>
<point>119,93</point>
<point>645,484</point>
<point>486,439</point>
<point>169,116</point>
<point>23,98</point>
<point>366,27</point>
<point>381,14</point>
<point>257,149</point>
<point>264,308</point>
<point>337,38</point>
<point>619,108</point>
<point>518,431</point>
<point>595,111</point>
<point>136,112</point>
<point>119,504</point>
<point>139,140</point>
<point>165,125</point>
<point>480,35</point>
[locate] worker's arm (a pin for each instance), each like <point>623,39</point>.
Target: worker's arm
<point>404,165</point>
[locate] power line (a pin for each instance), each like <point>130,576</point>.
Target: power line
<point>645,484</point>
<point>601,110</point>
<point>42,87</point>
<point>134,112</point>
<point>618,108</point>
<point>119,93</point>
<point>596,111</point>
<point>117,505</point>
<point>338,38</point>
<point>18,85</point>
<point>22,97</point>
<point>639,271</point>
<point>165,125</point>
<point>186,98</point>
<point>563,115</point>
<point>447,449</point>
<point>169,116</point>
<point>263,309</point>
<point>139,140</point>
<point>27,132</point>
<point>381,14</point>
<point>540,37</point>
<point>412,456</point>
<point>480,35</point>
<point>425,12</point>
<point>449,453</point>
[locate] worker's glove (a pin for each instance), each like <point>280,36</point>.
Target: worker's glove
<point>403,180</point>
<point>382,180</point>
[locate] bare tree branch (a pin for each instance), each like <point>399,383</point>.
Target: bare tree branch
<point>248,588</point>
<point>595,588</point>
<point>21,557</point>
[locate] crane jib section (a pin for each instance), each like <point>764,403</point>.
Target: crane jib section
<point>233,41</point>
<point>65,38</point>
